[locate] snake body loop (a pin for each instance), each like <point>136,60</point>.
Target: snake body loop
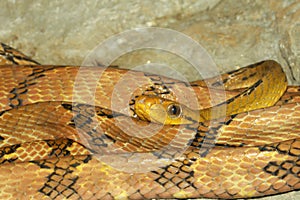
<point>253,137</point>
<point>257,94</point>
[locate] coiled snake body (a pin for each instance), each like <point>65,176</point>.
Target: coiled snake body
<point>53,147</point>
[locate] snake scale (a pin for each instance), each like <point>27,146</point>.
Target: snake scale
<point>52,147</point>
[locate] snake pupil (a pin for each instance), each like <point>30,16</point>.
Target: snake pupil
<point>174,110</point>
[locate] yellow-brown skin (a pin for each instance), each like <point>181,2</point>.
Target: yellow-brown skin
<point>257,94</point>
<point>43,155</point>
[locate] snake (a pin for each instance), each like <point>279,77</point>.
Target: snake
<point>57,142</point>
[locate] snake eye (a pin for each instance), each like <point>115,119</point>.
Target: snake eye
<point>174,110</point>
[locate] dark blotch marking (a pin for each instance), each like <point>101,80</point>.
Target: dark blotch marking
<point>23,86</point>
<point>2,112</point>
<point>60,183</point>
<point>253,74</point>
<point>230,120</point>
<point>67,106</point>
<point>233,71</point>
<point>276,168</point>
<point>87,159</point>
<point>245,78</point>
<point>9,55</point>
<point>41,163</point>
<point>59,147</point>
<point>168,173</point>
<point>8,150</point>
<point>253,87</point>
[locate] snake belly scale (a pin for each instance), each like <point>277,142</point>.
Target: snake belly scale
<point>252,151</point>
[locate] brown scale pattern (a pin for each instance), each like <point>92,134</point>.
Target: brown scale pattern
<point>11,56</point>
<point>23,85</point>
<point>262,126</point>
<point>53,149</point>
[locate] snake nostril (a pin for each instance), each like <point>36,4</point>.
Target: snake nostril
<point>174,110</point>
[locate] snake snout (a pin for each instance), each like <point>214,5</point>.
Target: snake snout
<point>159,110</point>
<point>151,108</point>
<point>142,107</point>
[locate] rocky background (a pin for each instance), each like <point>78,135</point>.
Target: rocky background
<point>234,32</point>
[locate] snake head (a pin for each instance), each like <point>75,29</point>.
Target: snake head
<point>160,110</point>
